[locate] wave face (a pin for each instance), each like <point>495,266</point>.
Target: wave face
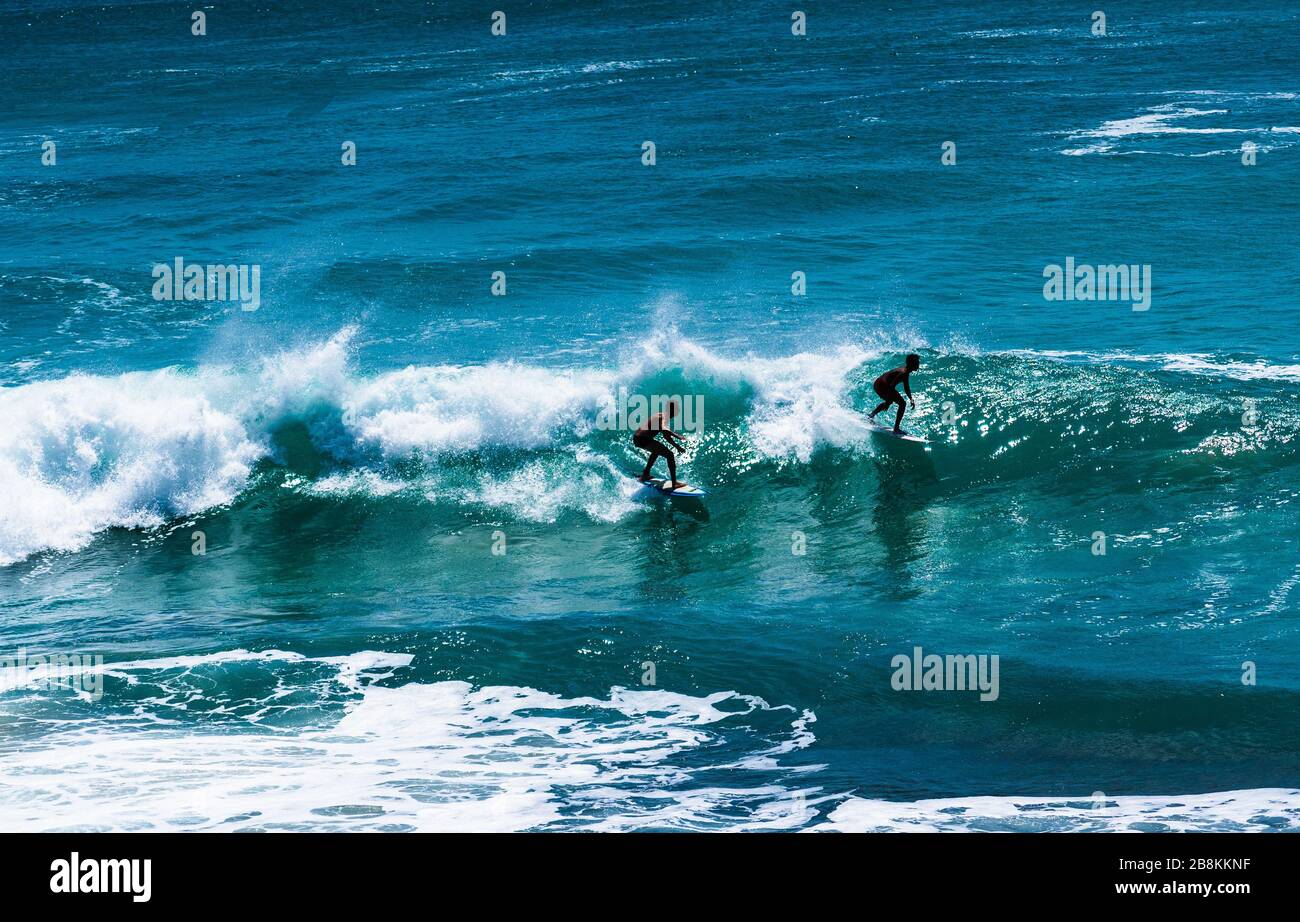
<point>84,454</point>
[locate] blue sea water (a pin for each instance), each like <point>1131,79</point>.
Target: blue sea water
<point>351,653</point>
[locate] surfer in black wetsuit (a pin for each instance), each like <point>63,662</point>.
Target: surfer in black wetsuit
<point>887,387</point>
<point>645,440</point>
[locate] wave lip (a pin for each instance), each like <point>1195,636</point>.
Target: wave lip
<point>82,454</point>
<point>456,409</point>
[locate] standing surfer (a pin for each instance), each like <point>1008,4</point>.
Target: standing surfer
<point>645,440</point>
<point>887,387</point>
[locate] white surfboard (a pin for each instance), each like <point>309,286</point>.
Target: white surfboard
<point>903,436</point>
<point>660,487</point>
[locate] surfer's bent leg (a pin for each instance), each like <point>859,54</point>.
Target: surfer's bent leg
<point>652,447</point>
<point>886,395</point>
<point>657,450</point>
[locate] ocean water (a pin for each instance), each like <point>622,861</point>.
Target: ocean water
<point>349,653</point>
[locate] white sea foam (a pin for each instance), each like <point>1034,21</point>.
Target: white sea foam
<point>1197,363</point>
<point>1098,148</point>
<point>539,74</point>
<point>1258,810</point>
<point>452,756</point>
<point>1009,33</point>
<point>1164,120</point>
<point>454,409</point>
<point>440,756</point>
<point>537,493</point>
<point>798,403</point>
<point>82,454</point>
<point>1157,121</point>
<point>362,482</point>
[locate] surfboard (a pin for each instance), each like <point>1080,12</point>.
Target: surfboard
<point>660,487</point>
<point>903,436</point>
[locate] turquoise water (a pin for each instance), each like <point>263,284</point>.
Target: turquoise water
<point>430,596</point>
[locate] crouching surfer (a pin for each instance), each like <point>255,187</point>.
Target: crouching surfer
<point>645,440</point>
<point>887,387</point>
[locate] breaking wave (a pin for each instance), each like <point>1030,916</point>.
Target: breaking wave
<point>83,454</point>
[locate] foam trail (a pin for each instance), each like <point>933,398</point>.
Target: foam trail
<point>1264,809</point>
<point>1197,363</point>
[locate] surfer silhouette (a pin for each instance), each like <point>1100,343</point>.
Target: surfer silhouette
<point>645,440</point>
<point>887,387</point>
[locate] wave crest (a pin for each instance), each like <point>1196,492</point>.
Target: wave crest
<point>83,454</point>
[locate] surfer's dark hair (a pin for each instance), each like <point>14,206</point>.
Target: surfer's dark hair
<point>913,361</point>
